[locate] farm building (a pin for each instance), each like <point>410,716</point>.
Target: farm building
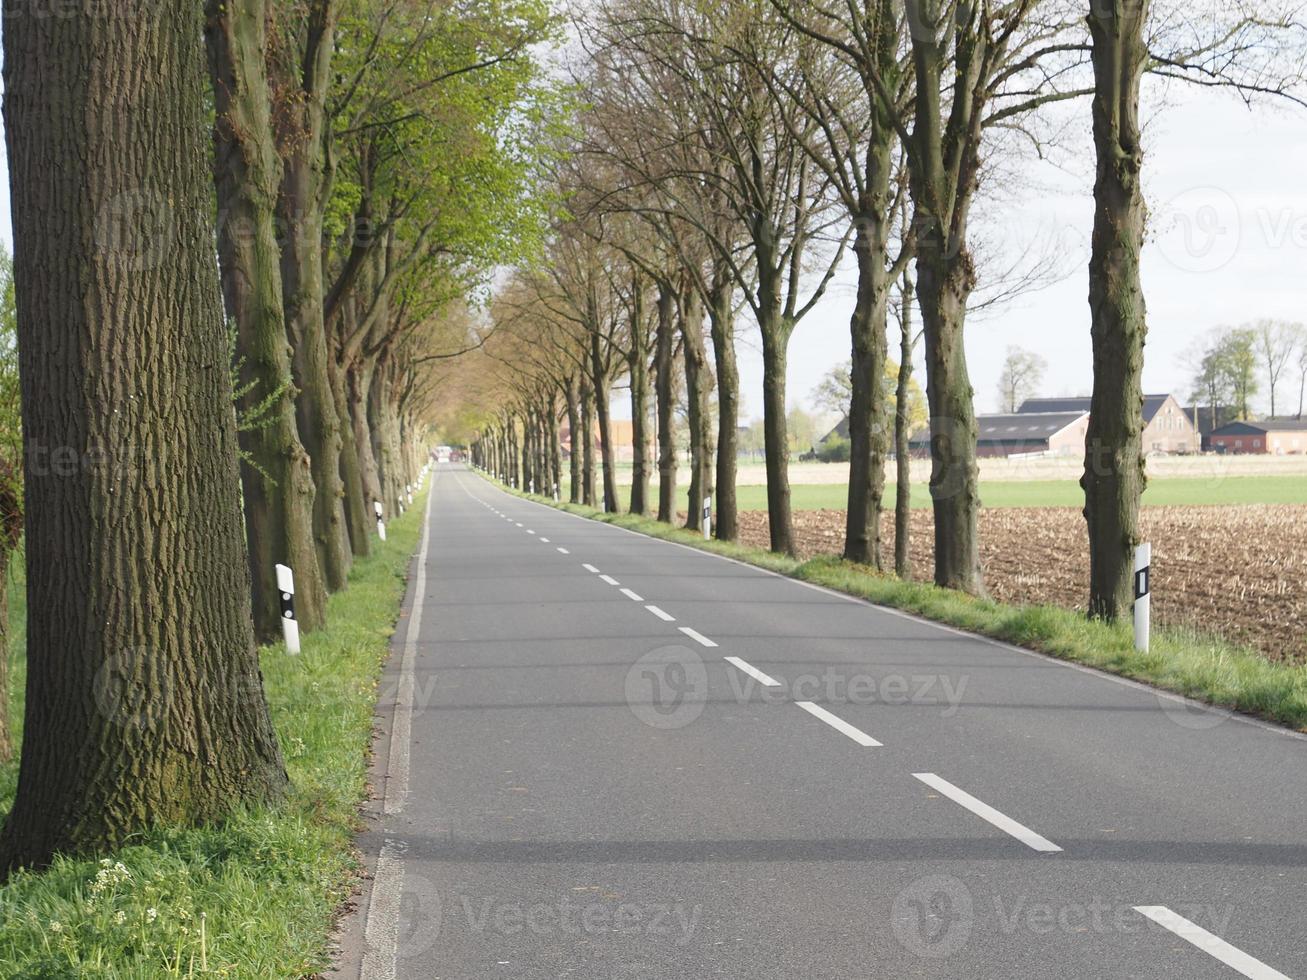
<point>1208,419</point>
<point>621,431</point>
<point>1053,433</point>
<point>1276,437</point>
<point>1167,429</point>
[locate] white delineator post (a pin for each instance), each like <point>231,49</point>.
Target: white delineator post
<point>707,518</point>
<point>1143,586</point>
<point>555,493</point>
<point>381,525</point>
<point>290,627</point>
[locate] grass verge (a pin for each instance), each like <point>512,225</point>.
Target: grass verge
<point>255,896</point>
<point>1206,668</point>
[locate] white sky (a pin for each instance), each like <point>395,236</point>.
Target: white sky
<point>1228,245</point>
<point>1230,177</point>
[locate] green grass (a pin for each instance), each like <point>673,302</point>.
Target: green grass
<point>1203,667</point>
<point>256,895</point>
<point>1161,492</point>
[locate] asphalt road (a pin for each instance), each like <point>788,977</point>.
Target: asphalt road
<point>609,757</point>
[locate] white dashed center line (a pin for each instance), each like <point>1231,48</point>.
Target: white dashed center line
<point>839,724</point>
<point>1213,946</point>
<point>764,679</point>
<point>987,812</point>
<point>544,540</point>
<point>563,551</point>
<point>590,568</point>
<point>665,617</point>
<point>697,637</point>
<point>631,595</point>
<point>609,579</point>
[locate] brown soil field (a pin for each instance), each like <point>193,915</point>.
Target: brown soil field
<point>1239,572</point>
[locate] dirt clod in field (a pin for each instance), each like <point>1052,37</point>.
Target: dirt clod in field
<point>1240,572</point>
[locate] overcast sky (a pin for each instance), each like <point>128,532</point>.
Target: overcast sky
<point>1228,245</point>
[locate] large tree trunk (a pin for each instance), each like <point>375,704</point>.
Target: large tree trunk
<point>587,445</point>
<point>1114,462</point>
<point>665,396</point>
<point>359,518</point>
<point>144,698</point>
<point>358,386</point>
<point>301,80</point>
<point>600,379</point>
<point>775,435</point>
<point>6,740</point>
<point>638,365</point>
<point>555,448</point>
<point>943,163</point>
<point>902,433</point>
<point>574,435</point>
<point>945,281</point>
<point>722,324</point>
<point>11,530</point>
<point>277,481</point>
<point>696,398</point>
<point>868,427</point>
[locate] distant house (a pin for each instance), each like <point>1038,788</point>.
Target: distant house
<point>1276,437</point>
<point>1026,433</point>
<point>621,431</point>
<point>1208,419</point>
<point>1167,428</point>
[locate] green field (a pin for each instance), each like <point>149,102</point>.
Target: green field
<point>1162,492</point>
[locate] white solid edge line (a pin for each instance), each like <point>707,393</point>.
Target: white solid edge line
<point>1210,944</point>
<point>609,579</point>
<point>631,595</point>
<point>764,679</point>
<point>401,729</point>
<point>988,641</point>
<point>697,637</point>
<point>986,812</point>
<point>839,724</point>
<point>664,616</point>
<point>563,551</point>
<point>381,932</point>
<point>590,568</point>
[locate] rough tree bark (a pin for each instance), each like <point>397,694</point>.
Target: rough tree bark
<point>775,330</point>
<point>587,445</point>
<point>278,487</point>
<point>721,320</point>
<point>599,377</point>
<point>664,395</point>
<point>696,399</point>
<point>868,433</point>
<point>943,164</point>
<point>144,699</point>
<point>11,531</point>
<point>1114,462</point>
<point>637,364</point>
<point>300,71</point>
<point>902,435</point>
<point>574,435</point>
